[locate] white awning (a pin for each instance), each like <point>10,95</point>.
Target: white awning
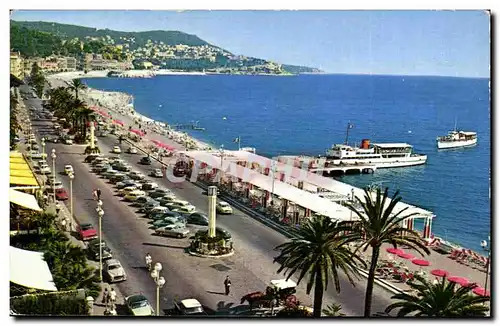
<point>29,269</point>
<point>24,200</point>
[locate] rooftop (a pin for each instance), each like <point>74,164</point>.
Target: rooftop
<point>392,145</point>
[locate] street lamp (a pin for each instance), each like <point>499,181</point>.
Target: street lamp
<point>100,212</point>
<point>71,177</point>
<point>484,245</point>
<point>160,282</point>
<point>43,146</point>
<point>54,172</point>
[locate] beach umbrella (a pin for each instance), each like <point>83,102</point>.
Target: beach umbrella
<point>459,280</point>
<point>439,272</point>
<point>406,256</point>
<point>481,292</point>
<point>394,251</point>
<point>421,262</point>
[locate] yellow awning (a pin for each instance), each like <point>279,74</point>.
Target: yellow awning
<point>17,160</point>
<point>24,200</point>
<point>23,181</point>
<point>20,171</point>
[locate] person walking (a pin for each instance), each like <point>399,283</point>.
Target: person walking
<point>94,194</point>
<point>105,296</point>
<point>98,192</point>
<point>112,296</point>
<point>227,285</point>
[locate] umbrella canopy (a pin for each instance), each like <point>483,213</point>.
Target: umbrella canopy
<point>459,280</point>
<point>481,292</point>
<point>118,122</point>
<point>406,256</point>
<point>439,272</point>
<point>421,262</point>
<point>137,132</point>
<point>395,251</point>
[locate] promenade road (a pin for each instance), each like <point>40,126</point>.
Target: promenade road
<point>251,268</point>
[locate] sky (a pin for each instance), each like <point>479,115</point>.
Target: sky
<point>438,43</point>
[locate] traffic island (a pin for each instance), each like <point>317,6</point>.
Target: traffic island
<point>205,246</point>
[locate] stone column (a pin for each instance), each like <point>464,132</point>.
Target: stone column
<point>92,139</point>
<point>212,199</point>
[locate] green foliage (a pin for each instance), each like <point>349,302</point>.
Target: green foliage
<point>33,43</point>
<point>50,304</point>
<point>439,300</point>
<point>14,124</point>
<point>333,310</point>
<point>300,69</point>
<point>380,223</point>
<point>317,251</point>
<point>294,311</point>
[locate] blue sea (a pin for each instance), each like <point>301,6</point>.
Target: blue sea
<point>306,114</point>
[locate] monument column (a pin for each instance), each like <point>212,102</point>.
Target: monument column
<point>212,200</point>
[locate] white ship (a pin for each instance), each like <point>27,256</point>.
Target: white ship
<point>456,139</point>
<point>382,155</point>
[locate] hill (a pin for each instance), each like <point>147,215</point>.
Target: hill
<point>65,31</point>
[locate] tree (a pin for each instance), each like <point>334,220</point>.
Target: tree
<point>76,85</point>
<point>378,224</point>
<point>14,124</point>
<point>318,249</point>
<point>333,310</point>
<point>439,300</point>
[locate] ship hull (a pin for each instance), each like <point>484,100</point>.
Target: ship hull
<point>456,144</point>
<point>384,163</point>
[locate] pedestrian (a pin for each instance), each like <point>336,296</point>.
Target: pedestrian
<point>94,194</point>
<point>98,193</point>
<point>227,285</point>
<point>112,296</point>
<point>105,296</point>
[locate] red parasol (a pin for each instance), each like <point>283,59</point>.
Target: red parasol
<point>137,132</point>
<point>421,262</point>
<point>406,256</point>
<point>459,280</point>
<point>481,292</point>
<point>395,251</point>
<point>118,122</point>
<point>439,272</point>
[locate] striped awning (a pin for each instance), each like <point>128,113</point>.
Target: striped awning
<point>24,200</point>
<point>20,172</point>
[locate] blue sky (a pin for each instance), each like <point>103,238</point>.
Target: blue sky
<point>443,43</point>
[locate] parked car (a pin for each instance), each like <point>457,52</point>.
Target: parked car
<point>68,169</point>
<point>86,231</point>
<point>147,207</point>
<point>189,307</point>
<point>99,159</point>
<point>181,204</point>
<point>92,157</point>
<point>93,250</point>
<point>126,183</point>
<point>141,200</point>
<point>109,173</point>
<point>51,185</point>
<point>44,169</point>
<point>122,167</point>
<point>68,141</point>
<point>133,195</point>
<point>138,305</point>
<point>116,150</point>
<point>132,150</point>
<point>175,231</point>
<point>149,185</point>
<point>197,218</point>
<point>159,192</point>
<point>146,160</point>
<point>101,168</point>
<point>223,232</point>
<point>158,209</point>
<point>223,208</point>
<point>168,221</point>
<point>136,175</point>
<point>113,271</point>
<point>156,173</point>
<point>118,177</point>
<point>160,215</point>
<point>167,199</point>
<point>125,191</point>
<point>61,194</point>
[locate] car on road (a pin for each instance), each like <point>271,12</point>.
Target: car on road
<point>146,160</point>
<point>139,305</point>
<point>125,191</point>
<point>116,149</point>
<point>133,195</point>
<point>61,194</point>
<point>132,150</point>
<point>113,271</point>
<point>136,175</point>
<point>127,183</point>
<point>93,250</point>
<point>149,185</point>
<point>181,204</point>
<point>156,173</point>
<point>68,169</point>
<point>175,231</point>
<point>197,218</point>
<point>160,192</point>
<point>223,208</point>
<point>189,307</point>
<point>86,231</point>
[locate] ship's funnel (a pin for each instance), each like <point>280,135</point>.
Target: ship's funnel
<point>365,144</point>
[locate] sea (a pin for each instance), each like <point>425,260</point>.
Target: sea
<point>306,114</point>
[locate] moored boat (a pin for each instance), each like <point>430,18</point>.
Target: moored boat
<point>456,139</point>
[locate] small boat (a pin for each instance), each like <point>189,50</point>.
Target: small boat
<point>199,128</point>
<point>456,139</point>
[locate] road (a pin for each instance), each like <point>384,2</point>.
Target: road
<point>127,234</point>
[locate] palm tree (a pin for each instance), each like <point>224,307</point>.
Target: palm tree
<point>333,310</point>
<point>318,249</point>
<point>439,300</point>
<point>76,85</point>
<point>379,223</point>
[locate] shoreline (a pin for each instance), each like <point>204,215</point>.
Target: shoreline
<point>179,137</point>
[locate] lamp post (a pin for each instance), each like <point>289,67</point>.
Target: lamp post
<point>100,212</point>
<point>54,172</point>
<point>273,170</point>
<point>43,146</point>
<point>160,282</point>
<point>71,177</point>
<point>221,152</point>
<point>484,245</point>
